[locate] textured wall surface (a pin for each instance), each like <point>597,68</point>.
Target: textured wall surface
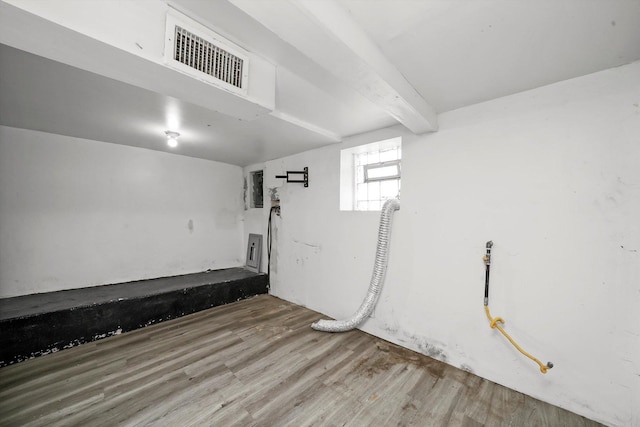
<point>552,176</point>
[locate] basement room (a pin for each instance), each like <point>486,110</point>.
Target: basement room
<point>320,213</point>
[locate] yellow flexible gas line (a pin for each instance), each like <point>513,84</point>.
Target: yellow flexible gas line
<point>494,324</point>
<point>493,321</point>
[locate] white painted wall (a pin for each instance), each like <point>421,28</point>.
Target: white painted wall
<point>552,176</point>
<point>76,213</point>
<point>253,219</point>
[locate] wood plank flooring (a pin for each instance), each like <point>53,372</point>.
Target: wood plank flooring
<point>256,362</point>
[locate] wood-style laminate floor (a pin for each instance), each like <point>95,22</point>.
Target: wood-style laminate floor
<point>256,362</point>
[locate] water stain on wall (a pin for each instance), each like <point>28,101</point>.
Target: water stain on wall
<point>427,347</point>
<point>245,189</point>
<point>273,194</point>
<point>393,330</point>
<point>190,226</point>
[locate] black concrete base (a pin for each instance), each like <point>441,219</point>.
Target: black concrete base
<point>38,324</point>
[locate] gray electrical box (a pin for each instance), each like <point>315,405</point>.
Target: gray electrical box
<point>254,252</point>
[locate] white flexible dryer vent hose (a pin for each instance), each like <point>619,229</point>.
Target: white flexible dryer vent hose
<point>377,279</point>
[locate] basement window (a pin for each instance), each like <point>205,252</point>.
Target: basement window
<point>370,174</point>
<point>257,189</point>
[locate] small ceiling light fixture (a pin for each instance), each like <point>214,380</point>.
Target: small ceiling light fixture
<point>172,138</point>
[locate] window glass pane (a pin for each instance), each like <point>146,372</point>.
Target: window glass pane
<point>374,190</point>
<point>362,193</point>
<point>389,188</point>
<point>360,174</point>
<point>388,155</point>
<point>383,171</point>
<point>373,157</point>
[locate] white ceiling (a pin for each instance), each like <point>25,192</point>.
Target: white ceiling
<point>48,96</point>
<point>438,54</point>
<point>459,52</point>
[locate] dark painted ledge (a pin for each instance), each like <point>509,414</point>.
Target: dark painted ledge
<point>38,324</point>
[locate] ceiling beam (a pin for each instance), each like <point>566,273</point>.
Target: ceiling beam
<point>332,136</point>
<point>327,33</point>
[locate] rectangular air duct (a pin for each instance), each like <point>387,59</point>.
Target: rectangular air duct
<point>196,50</point>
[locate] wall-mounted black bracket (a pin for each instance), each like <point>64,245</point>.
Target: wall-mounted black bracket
<point>297,176</point>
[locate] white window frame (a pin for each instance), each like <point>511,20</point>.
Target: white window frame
<point>373,166</point>
<point>349,179</point>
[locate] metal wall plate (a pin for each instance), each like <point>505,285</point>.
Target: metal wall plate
<point>254,252</point>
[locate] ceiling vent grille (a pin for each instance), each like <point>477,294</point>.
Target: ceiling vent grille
<point>207,58</point>
<point>198,51</point>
